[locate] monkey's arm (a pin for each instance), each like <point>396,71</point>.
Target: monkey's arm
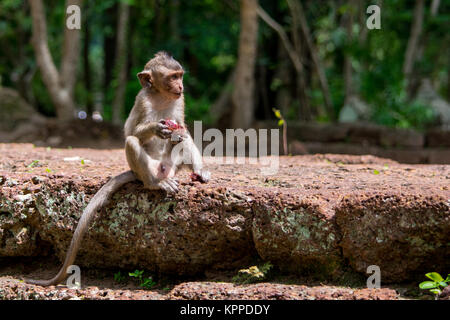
<point>147,130</point>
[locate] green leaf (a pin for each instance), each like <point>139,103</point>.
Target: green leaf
<point>435,291</point>
<point>376,172</point>
<point>344,8</point>
<point>277,113</point>
<point>428,285</point>
<point>434,276</point>
<point>33,164</point>
<point>280,122</point>
<point>448,278</point>
<point>443,283</point>
<point>136,273</point>
<point>147,283</point>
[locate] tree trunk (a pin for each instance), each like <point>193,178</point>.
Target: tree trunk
<point>121,63</point>
<point>413,42</point>
<point>415,79</point>
<point>348,70</point>
<point>284,74</point>
<point>59,84</point>
<point>86,65</point>
<point>173,22</point>
<point>109,46</point>
<point>19,59</point>
<point>448,80</point>
<point>291,51</point>
<point>284,38</point>
<point>304,108</point>
<point>242,96</point>
<point>297,6</point>
<point>159,21</point>
<point>220,109</point>
<point>262,84</point>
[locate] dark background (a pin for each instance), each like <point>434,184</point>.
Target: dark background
<point>330,69</point>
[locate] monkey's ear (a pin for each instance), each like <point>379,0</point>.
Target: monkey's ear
<point>145,78</point>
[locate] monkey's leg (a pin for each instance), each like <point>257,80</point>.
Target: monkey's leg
<point>147,169</point>
<point>186,154</point>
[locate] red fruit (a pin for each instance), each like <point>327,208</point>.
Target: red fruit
<point>172,124</point>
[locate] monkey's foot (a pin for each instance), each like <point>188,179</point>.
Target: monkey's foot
<point>169,185</point>
<point>201,176</point>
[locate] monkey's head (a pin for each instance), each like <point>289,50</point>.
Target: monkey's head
<point>163,74</point>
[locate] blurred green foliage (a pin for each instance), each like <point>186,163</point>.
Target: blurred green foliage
<point>204,35</point>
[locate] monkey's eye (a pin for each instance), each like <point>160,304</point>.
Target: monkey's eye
<point>174,77</point>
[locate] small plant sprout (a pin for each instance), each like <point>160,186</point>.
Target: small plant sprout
<point>282,123</point>
<point>436,284</point>
<point>119,277</point>
<point>136,274</point>
<point>253,274</point>
<point>146,283</point>
<point>33,164</point>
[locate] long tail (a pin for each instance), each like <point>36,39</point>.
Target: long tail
<point>97,202</point>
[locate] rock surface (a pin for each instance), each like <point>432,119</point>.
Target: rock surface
<point>269,291</point>
<point>11,289</point>
<point>354,110</point>
<point>429,97</point>
<point>401,144</point>
<point>319,214</point>
<point>15,111</point>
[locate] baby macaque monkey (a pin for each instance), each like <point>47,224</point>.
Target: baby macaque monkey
<point>156,124</point>
<point>157,145</point>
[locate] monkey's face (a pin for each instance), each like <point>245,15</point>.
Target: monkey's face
<point>163,74</point>
<point>166,81</point>
<point>173,83</point>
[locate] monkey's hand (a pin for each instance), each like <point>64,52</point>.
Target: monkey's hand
<point>162,130</point>
<point>178,136</point>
